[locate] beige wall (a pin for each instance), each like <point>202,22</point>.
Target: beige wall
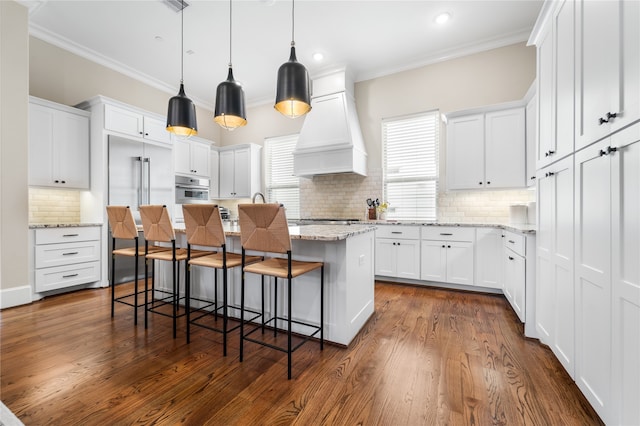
<point>60,76</point>
<point>14,89</point>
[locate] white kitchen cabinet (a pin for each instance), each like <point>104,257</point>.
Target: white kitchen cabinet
<point>66,257</point>
<point>447,255</point>
<point>608,68</point>
<point>397,251</point>
<point>488,262</point>
<point>134,122</point>
<point>191,157</point>
<point>515,279</point>
<point>240,171</point>
<point>531,124</point>
<point>487,149</point>
<point>555,323</point>
<point>58,145</point>
<point>556,90</point>
<point>214,183</point>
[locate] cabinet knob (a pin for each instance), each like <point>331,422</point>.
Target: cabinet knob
<point>443,246</point>
<point>510,258</point>
<point>533,177</point>
<point>603,152</point>
<point>551,152</point>
<point>611,149</point>
<point>56,181</point>
<point>488,182</point>
<point>140,132</point>
<point>610,116</point>
<point>146,134</point>
<point>448,246</point>
<point>479,183</point>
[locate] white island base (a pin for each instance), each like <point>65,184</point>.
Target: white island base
<point>349,280</point>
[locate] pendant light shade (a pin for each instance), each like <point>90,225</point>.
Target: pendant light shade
<point>181,115</point>
<point>229,112</point>
<point>293,90</point>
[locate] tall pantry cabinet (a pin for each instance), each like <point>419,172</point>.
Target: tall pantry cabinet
<point>588,254</point>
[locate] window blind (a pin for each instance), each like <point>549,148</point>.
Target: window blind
<point>281,184</point>
<point>410,166</point>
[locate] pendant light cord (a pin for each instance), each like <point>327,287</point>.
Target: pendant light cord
<point>230,29</point>
<point>182,44</point>
<point>293,22</point>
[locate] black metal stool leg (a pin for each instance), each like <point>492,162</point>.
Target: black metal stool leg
<point>289,331</point>
<point>275,306</point>
<point>113,281</point>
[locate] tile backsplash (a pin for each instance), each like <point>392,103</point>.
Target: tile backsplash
<point>53,206</point>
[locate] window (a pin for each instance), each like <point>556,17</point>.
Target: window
<point>410,166</point>
<point>281,184</point>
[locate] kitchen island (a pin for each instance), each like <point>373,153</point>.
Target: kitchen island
<point>348,254</point>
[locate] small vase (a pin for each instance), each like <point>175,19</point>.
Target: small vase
<point>382,215</point>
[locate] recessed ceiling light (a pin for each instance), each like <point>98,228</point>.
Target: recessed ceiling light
<point>318,56</point>
<point>443,18</point>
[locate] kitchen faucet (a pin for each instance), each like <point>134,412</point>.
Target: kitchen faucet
<point>253,200</point>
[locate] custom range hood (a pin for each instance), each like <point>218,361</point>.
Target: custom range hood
<point>330,140</point>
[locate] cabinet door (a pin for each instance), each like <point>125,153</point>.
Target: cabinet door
<point>433,264</point>
<point>531,124</point>
<point>41,145</point>
<point>465,152</point>
<point>227,173</point>
<point>242,173</point>
<point>200,161</point>
<point>514,282</point>
<point>156,130</point>
<point>71,150</point>
<point>408,259</point>
<point>123,120</point>
<point>182,156</point>
<point>563,87</point>
<point>626,275</point>
<point>214,183</point>
<point>545,94</point>
<point>385,257</point>
<point>488,269</point>
<point>505,149</point>
<point>460,262</point>
<point>545,283</point>
<point>593,276</point>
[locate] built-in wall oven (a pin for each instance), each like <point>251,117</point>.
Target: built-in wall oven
<point>191,190</point>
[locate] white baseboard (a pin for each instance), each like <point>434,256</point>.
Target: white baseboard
<point>15,296</point>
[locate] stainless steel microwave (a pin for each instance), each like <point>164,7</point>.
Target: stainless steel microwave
<point>191,190</point>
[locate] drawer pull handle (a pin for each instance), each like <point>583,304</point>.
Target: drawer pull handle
<point>70,276</point>
<point>510,258</point>
<point>70,253</point>
<point>70,235</point>
<point>444,233</point>
<point>512,242</point>
<point>396,232</point>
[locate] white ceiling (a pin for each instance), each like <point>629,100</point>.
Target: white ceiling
<point>371,38</point>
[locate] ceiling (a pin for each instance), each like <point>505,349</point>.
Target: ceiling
<point>371,38</point>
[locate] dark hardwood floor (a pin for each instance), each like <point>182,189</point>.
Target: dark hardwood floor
<point>426,357</point>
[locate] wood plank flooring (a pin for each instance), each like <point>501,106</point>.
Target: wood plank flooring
<point>426,357</point>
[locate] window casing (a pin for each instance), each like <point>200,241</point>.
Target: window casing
<point>281,184</point>
<point>410,166</point>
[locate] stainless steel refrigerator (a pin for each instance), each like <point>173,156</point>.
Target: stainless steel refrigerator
<point>139,174</point>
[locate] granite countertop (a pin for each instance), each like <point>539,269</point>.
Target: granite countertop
<point>303,232</point>
<point>525,228</point>
<point>61,225</point>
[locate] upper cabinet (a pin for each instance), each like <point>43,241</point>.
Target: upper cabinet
<point>192,157</point>
<point>58,145</point>
<point>240,171</point>
<point>486,149</point>
<point>531,123</point>
<point>608,68</point>
<point>134,123</point>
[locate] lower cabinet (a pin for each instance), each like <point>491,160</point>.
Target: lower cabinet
<point>514,287</point>
<point>447,255</point>
<point>488,264</point>
<point>398,251</point>
<point>66,257</point>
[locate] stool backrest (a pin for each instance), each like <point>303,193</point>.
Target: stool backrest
<point>121,222</point>
<point>263,227</point>
<point>203,225</point>
<point>157,223</point>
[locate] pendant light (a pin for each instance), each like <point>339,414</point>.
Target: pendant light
<point>293,90</point>
<point>181,117</point>
<point>229,112</point>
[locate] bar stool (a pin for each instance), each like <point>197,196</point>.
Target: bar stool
<point>157,227</point>
<point>123,227</point>
<point>263,228</point>
<point>204,228</point>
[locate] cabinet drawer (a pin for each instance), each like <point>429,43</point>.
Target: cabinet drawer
<point>48,255</point>
<point>398,231</point>
<point>67,276</point>
<point>67,235</point>
<point>515,242</point>
<point>448,233</point>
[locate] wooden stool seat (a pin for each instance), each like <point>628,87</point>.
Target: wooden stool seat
<point>217,260</point>
<point>278,267</point>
